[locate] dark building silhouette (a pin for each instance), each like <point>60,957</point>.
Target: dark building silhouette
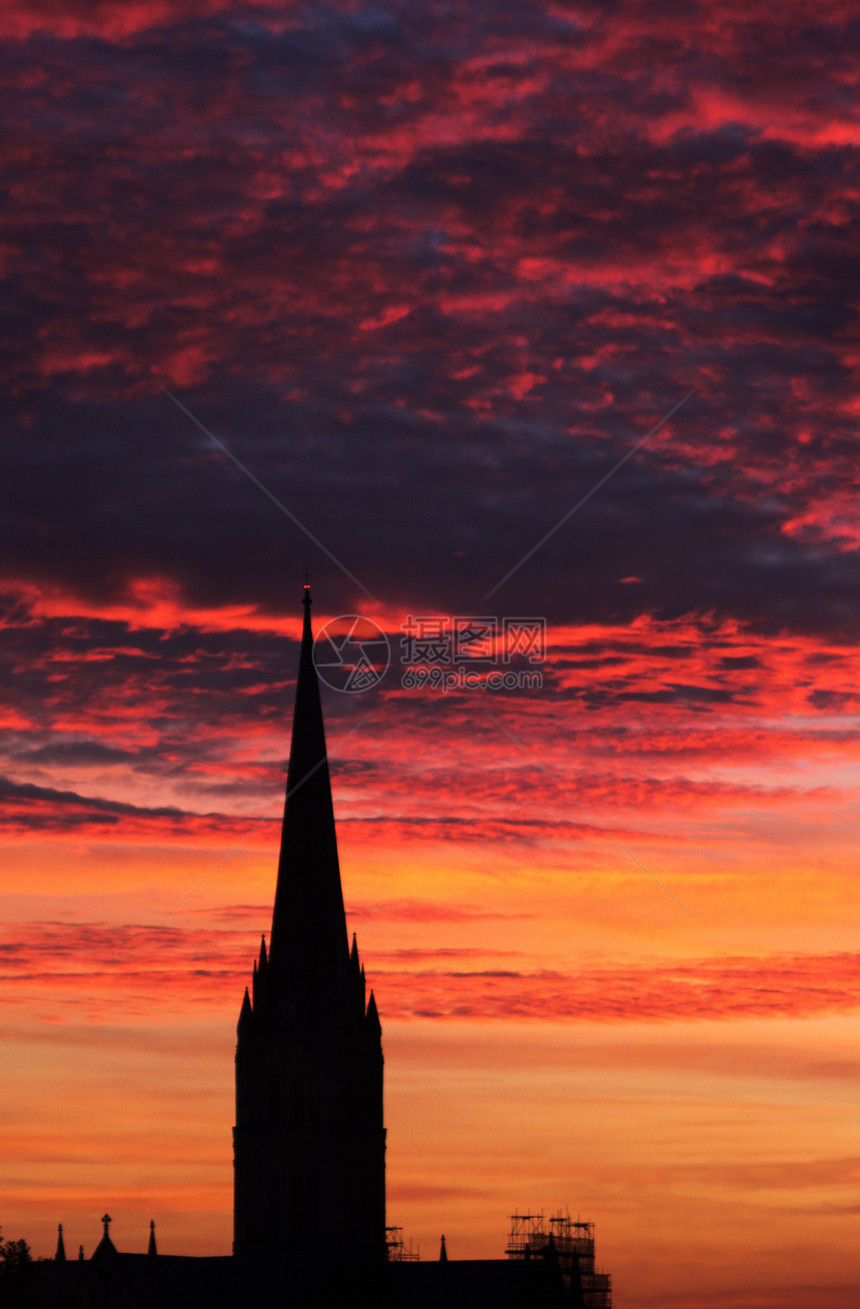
<point>309,1140</point>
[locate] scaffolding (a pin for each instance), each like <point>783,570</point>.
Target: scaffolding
<point>533,1237</point>
<point>398,1251</point>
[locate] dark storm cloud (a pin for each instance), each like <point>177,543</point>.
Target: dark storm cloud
<point>429,280</point>
<point>94,662</point>
<point>24,804</point>
<point>74,752</point>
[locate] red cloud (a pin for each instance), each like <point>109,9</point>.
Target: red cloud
<point>114,970</point>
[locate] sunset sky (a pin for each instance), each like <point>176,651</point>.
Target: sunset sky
<point>429,272</point>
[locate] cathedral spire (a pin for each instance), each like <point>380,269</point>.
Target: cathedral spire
<point>308,940</point>
<point>309,1140</point>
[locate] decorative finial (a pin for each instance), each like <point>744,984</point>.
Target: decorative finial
<point>106,1220</point>
<point>80,1252</point>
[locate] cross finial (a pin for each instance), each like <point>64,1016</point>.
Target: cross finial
<point>106,1219</point>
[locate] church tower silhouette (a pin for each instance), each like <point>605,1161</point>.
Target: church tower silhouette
<point>309,1140</point>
